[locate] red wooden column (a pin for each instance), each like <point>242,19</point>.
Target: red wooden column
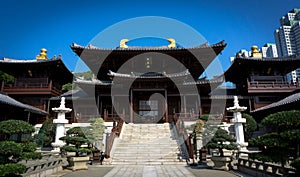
<point>131,106</point>
<point>166,106</point>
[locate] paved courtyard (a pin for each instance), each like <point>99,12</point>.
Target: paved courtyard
<point>145,171</point>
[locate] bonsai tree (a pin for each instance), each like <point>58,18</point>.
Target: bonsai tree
<point>46,134</point>
<point>250,125</point>
<point>98,128</point>
<point>16,145</point>
<point>222,140</point>
<point>283,140</point>
<point>76,138</point>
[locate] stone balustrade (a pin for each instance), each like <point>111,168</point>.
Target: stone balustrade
<point>49,164</point>
<point>262,169</point>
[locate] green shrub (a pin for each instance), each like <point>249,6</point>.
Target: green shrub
<point>12,169</point>
<point>296,164</point>
<point>11,152</point>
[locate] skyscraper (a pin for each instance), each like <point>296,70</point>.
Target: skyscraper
<point>287,38</point>
<point>269,51</point>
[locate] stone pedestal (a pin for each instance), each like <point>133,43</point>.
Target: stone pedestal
<point>238,124</point>
<point>60,124</point>
<point>221,163</point>
<point>78,163</point>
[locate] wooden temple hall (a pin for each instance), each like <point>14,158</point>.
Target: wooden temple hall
<point>145,84</point>
<point>149,84</point>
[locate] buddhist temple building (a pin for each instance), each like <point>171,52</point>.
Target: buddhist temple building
<point>36,80</point>
<point>262,81</point>
<point>149,84</point>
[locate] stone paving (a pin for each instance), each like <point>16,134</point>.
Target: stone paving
<point>144,171</point>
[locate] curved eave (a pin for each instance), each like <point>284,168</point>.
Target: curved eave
<point>92,82</point>
<point>241,67</point>
<point>4,99</point>
<point>148,76</point>
<point>286,101</point>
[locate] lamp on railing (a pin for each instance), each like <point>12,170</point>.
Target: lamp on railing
<point>78,115</point>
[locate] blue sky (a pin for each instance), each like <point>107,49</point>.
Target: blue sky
<point>29,25</point>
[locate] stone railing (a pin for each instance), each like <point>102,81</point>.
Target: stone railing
<point>262,169</point>
<point>46,166</point>
<point>115,132</point>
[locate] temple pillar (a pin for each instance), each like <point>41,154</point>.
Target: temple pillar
<point>131,106</point>
<point>166,106</point>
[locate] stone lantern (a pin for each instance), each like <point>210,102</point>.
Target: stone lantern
<point>60,124</point>
<point>238,121</point>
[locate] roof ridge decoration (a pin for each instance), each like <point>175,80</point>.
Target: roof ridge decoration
<point>42,55</point>
<point>124,41</point>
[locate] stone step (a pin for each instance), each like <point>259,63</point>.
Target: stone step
<point>151,144</point>
<point>146,144</point>
<point>147,155</point>
<point>147,151</point>
<point>155,162</point>
<point>146,140</point>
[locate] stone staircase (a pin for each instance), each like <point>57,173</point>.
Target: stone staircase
<point>146,144</point>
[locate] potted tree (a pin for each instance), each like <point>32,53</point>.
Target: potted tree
<point>98,129</point>
<point>222,140</point>
<point>78,141</point>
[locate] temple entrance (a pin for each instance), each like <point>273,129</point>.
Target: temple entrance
<point>149,106</point>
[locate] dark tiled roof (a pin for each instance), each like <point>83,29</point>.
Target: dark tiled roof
<point>101,60</point>
<point>288,100</point>
<point>55,65</point>
<point>4,99</point>
<point>146,48</point>
<point>243,66</point>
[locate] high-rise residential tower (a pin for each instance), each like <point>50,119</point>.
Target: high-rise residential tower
<point>287,38</point>
<point>269,51</point>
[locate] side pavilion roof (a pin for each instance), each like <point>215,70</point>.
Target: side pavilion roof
<point>241,67</point>
<point>55,68</point>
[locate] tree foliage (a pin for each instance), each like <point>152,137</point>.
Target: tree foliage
<point>98,129</point>
<point>14,150</point>
<point>15,127</point>
<point>12,169</point>
<point>67,87</point>
<point>222,140</point>
<point>283,140</point>
<point>88,75</point>
<point>46,134</point>
<point>250,125</point>
<point>75,138</point>
<point>8,79</point>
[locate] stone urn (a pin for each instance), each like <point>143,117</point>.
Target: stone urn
<point>221,163</point>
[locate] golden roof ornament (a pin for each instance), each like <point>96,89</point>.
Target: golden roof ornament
<point>172,43</point>
<point>255,52</point>
<point>42,56</point>
<point>123,43</point>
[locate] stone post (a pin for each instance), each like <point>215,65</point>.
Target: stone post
<point>238,121</point>
<point>60,124</point>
